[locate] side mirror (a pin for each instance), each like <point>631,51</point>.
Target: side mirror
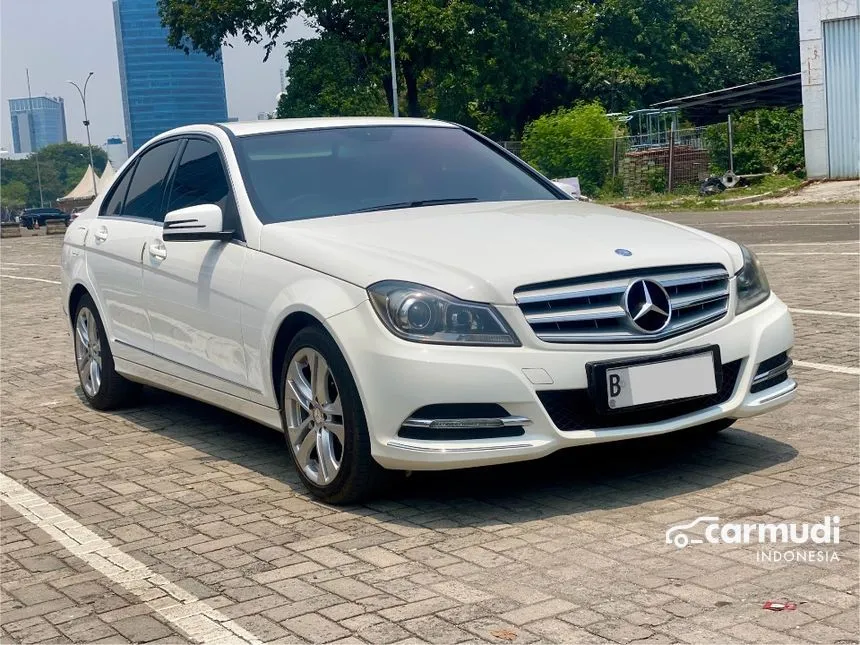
<point>202,222</point>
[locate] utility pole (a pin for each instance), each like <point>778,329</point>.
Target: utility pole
<point>393,66</point>
<point>83,94</point>
<point>32,132</point>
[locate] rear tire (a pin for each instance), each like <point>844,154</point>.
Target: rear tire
<point>324,424</point>
<point>103,387</point>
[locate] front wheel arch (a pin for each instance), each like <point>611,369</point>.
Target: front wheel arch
<point>289,327</point>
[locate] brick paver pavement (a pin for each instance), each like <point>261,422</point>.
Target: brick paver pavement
<point>566,549</point>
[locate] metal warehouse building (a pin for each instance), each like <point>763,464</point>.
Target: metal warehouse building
<point>830,74</point>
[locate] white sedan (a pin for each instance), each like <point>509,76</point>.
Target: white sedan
<point>403,294</point>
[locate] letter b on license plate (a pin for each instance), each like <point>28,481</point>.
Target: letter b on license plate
<point>661,381</point>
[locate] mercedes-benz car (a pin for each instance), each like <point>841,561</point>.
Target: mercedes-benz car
<point>404,294</point>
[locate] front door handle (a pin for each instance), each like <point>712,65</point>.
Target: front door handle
<point>158,250</point>
<point>101,233</point>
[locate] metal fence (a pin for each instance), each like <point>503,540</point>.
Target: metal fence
<point>659,162</point>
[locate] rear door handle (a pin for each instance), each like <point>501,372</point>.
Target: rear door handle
<point>157,249</point>
<point>101,233</point>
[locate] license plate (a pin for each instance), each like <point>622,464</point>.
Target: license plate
<point>670,379</point>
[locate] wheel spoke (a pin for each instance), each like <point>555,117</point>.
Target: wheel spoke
<point>95,375</point>
<point>297,433</point>
<point>92,332</point>
<point>319,377</point>
<point>81,331</point>
<point>336,429</point>
<point>298,387</point>
<point>333,408</point>
<point>324,461</point>
<point>303,455</point>
<point>84,367</point>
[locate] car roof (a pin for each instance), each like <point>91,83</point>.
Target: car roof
<point>244,128</point>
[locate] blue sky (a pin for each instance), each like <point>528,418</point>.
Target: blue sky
<point>63,40</point>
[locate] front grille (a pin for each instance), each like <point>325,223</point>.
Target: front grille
<point>591,309</point>
<point>574,409</point>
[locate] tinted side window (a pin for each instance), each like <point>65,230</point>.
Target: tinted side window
<point>147,186</point>
<point>200,177</point>
<point>117,197</point>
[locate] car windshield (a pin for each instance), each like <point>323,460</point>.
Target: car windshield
<point>318,173</point>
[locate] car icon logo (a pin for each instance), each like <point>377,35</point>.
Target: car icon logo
<point>624,252</point>
<point>675,534</point>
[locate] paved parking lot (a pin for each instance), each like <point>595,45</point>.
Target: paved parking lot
<point>176,522</point>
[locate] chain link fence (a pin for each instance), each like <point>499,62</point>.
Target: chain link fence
<point>660,162</point>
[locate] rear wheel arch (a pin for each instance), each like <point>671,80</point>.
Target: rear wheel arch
<point>78,292</point>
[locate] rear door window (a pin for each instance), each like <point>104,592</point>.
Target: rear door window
<point>146,192</point>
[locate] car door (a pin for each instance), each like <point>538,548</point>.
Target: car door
<point>115,244</point>
<point>192,286</point>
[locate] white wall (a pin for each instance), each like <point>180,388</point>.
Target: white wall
<point>811,14</point>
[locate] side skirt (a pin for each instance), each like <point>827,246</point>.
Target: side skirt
<point>265,415</point>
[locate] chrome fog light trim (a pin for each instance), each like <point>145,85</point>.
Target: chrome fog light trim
<point>466,424</point>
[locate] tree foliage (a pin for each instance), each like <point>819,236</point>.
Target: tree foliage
<point>61,167</point>
<point>762,141</point>
<point>14,195</point>
<point>571,143</point>
<point>497,64</point>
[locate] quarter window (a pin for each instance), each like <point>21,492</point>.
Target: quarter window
<point>145,195</point>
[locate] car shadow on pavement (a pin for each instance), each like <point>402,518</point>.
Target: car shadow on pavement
<point>601,476</point>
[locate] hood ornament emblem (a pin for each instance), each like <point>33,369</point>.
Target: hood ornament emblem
<point>624,252</point>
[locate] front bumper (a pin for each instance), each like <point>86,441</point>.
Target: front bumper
<point>396,378</point>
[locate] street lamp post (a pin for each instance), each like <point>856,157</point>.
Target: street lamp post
<point>83,93</point>
<point>393,66</point>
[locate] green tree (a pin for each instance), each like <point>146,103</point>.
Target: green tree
<point>497,64</point>
<point>14,195</point>
<point>61,167</point>
<point>70,160</point>
<point>747,40</point>
<point>765,140</point>
<point>317,87</point>
<point>477,62</point>
<point>572,143</point>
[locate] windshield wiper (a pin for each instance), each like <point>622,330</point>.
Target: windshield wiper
<point>416,204</point>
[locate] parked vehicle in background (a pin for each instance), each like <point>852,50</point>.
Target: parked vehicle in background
<point>404,294</point>
<point>36,217</point>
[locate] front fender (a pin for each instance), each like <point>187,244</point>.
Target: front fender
<point>271,301</point>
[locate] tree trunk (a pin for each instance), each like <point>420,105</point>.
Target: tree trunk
<point>412,106</point>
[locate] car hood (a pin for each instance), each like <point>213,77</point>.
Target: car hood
<point>484,251</point>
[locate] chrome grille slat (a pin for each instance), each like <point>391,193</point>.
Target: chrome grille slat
<point>592,310</point>
<point>566,315</point>
<point>698,298</point>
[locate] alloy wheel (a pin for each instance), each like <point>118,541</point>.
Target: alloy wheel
<point>88,352</point>
<point>315,428</point>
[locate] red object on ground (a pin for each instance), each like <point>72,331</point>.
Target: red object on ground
<point>774,605</point>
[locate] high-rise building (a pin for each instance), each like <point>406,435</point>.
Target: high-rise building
<point>162,87</point>
<point>117,151</point>
<point>37,122</point>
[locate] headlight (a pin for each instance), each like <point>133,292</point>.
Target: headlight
<point>753,288</point>
<point>423,315</point>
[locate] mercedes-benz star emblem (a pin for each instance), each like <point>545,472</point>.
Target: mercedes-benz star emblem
<point>648,306</point>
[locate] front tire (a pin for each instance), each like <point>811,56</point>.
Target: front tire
<point>324,423</point>
<point>103,388</point>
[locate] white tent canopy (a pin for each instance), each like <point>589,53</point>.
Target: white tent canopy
<point>84,189</point>
<point>105,180</point>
